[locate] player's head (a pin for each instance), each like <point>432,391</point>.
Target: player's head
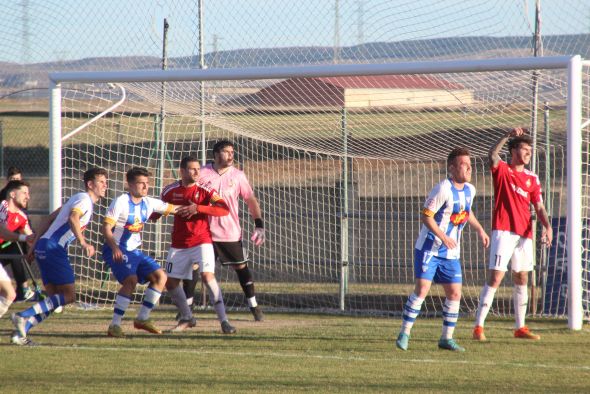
<point>521,149</point>
<point>138,181</point>
<point>95,181</point>
<point>459,165</point>
<point>14,174</point>
<point>17,191</point>
<point>189,170</point>
<point>223,153</point>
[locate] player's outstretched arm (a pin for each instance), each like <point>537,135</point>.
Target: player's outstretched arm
<point>216,209</point>
<point>473,222</point>
<point>8,235</point>
<point>494,153</point>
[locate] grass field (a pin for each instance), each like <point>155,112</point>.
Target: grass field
<point>285,353</point>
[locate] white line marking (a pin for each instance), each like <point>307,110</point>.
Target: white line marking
<point>323,357</point>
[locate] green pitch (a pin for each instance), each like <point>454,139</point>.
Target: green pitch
<point>294,352</point>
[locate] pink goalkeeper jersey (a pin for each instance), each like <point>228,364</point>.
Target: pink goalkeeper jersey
<point>231,185</point>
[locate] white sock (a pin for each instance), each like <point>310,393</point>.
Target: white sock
<point>520,297</point>
<point>121,305</point>
<point>411,312</point>
<point>179,299</point>
<point>252,302</point>
<point>486,297</point>
<point>450,317</point>
<point>150,299</point>
<point>4,305</point>
<point>216,299</point>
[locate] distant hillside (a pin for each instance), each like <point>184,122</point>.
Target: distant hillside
<point>14,76</point>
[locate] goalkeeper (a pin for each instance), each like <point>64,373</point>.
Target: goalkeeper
<point>232,183</point>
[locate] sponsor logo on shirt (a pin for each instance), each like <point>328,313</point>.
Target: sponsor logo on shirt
<point>459,218</point>
<point>519,190</point>
<point>135,227</point>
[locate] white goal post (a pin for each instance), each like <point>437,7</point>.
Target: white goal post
<point>572,66</point>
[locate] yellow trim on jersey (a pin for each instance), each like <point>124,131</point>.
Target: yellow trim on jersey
<point>427,212</point>
<point>78,210</point>
<point>215,198</point>
<point>169,209</point>
<point>110,221</point>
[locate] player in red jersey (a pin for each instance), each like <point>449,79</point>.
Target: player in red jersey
<point>515,188</point>
<point>14,226</point>
<point>192,243</point>
<point>15,219</point>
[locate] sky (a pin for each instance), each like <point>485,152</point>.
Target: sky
<point>35,31</point>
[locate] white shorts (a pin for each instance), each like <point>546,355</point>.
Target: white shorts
<point>4,275</point>
<point>180,262</point>
<point>509,247</point>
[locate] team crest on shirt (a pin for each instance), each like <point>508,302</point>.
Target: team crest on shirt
<point>528,183</point>
<point>459,218</point>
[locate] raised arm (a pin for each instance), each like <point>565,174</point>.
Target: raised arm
<point>494,153</point>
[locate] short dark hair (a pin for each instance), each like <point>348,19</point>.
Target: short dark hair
<point>12,170</point>
<point>521,139</point>
<point>135,172</point>
<point>456,153</point>
<point>14,185</point>
<point>188,159</point>
<point>219,145</point>
<point>92,173</point>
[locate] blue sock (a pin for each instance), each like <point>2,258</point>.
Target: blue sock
<point>47,305</point>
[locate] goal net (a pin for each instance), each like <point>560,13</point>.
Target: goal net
<point>341,165</point>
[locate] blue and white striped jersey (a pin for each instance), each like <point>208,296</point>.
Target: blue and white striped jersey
<point>128,218</point>
<point>60,230</point>
<point>450,208</point>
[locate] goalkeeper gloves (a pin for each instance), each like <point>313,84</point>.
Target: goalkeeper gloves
<point>258,236</point>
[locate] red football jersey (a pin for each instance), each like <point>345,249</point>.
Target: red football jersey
<point>14,221</point>
<point>513,193</point>
<point>194,231</point>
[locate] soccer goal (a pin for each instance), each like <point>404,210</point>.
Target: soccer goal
<point>341,158</point>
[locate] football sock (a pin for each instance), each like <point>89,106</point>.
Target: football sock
<point>411,312</point>
<point>486,297</point>
<point>520,297</point>
<point>121,305</point>
<point>216,299</point>
<point>150,299</point>
<point>450,317</point>
<point>47,305</point>
<point>179,299</point>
